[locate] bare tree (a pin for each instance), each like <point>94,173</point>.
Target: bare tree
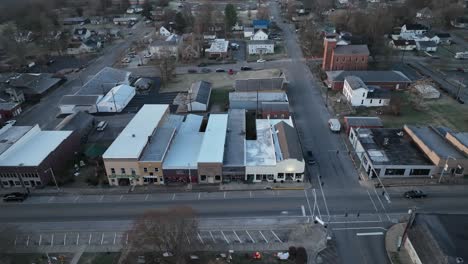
<point>166,65</point>
<point>163,231</point>
<point>263,13</point>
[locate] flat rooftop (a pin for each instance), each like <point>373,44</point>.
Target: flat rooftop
<point>214,140</point>
<point>218,45</point>
<point>262,97</point>
<point>363,121</point>
<point>235,138</point>
<point>261,152</point>
<point>132,140</point>
<point>33,147</point>
<point>390,146</point>
<point>185,148</point>
<point>351,50</point>
<point>104,80</point>
<point>436,142</point>
<point>9,135</point>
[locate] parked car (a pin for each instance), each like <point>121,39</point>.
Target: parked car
<point>334,125</point>
<point>126,60</point>
<point>261,60</point>
<point>202,64</point>
<point>206,70</point>
<point>310,158</point>
<point>148,55</point>
<point>220,70</point>
<point>231,72</point>
<point>246,68</point>
<point>15,197</point>
<point>192,71</point>
<point>415,194</point>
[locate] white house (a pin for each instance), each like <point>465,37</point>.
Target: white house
<point>116,99</point>
<point>412,31</point>
<point>164,32</point>
<point>248,32</point>
<point>81,33</point>
<point>160,48</point>
<point>259,35</point>
<point>261,46</point>
<point>403,44</point>
<point>87,46</point>
<point>357,93</point>
<point>429,46</point>
<point>199,96</point>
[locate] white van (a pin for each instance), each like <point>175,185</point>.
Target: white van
<point>334,125</point>
<point>101,126</point>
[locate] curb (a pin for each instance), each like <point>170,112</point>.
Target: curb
<point>286,188</point>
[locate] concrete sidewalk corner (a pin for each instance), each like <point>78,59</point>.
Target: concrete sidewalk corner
<point>392,236</point>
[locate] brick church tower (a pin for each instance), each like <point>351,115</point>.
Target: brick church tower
<point>329,44</point>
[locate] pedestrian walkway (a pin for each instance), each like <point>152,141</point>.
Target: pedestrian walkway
<point>392,238</point>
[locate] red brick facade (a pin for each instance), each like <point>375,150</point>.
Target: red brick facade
<point>349,61</point>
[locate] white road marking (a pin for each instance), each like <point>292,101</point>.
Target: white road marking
<point>200,238</point>
<point>188,239</point>
<point>358,228</point>
<point>238,238</point>
<point>102,197</point>
<point>126,239</point>
<point>370,234</point>
<point>388,217</point>
<point>16,238</point>
<point>173,196</point>
<point>65,239</point>
<point>250,194</point>
<point>375,207</point>
<point>121,197</point>
<point>40,240</point>
<point>308,204</point>
<point>253,241</point>
<point>224,195</point>
<point>51,199</point>
<point>146,197</point>
<point>354,222</point>
<point>115,237</point>
<point>212,237</point>
<point>27,241</point>
<point>102,238</point>
<point>89,240</point>
<point>225,238</point>
<point>316,205</point>
<point>76,199</point>
<point>77,238</point>
<point>303,210</point>
<point>266,240</point>
<point>276,236</point>
<point>199,195</point>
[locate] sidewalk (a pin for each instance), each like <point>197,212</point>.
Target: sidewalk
<point>392,236</point>
<point>166,189</point>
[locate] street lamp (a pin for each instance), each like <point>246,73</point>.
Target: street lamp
<point>445,167</point>
<point>53,177</point>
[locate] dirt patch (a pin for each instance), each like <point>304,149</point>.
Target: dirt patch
<point>219,79</point>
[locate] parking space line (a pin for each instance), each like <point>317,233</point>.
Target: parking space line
<point>121,197</point>
<point>65,239</point>
<point>224,195</point>
<point>77,238</point>
<point>27,241</point>
<point>173,196</point>
<point>102,238</point>
<point>200,238</point>
<point>126,240</point>
<point>276,236</point>
<point>188,239</point>
<point>102,197</point>
<point>238,238</point>
<point>90,236</point>
<point>76,199</point>
<point>40,239</point>
<point>370,234</point>
<point>199,194</point>
<point>146,197</point>
<point>385,210</point>
<point>115,237</point>
<point>250,194</point>
<point>51,199</point>
<point>263,236</point>
<point>253,241</point>
<point>212,237</point>
<point>303,210</point>
<point>225,238</point>
<point>16,238</point>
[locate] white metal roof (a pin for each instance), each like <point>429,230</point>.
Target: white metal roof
<point>118,97</point>
<point>185,148</point>
<point>261,152</point>
<point>33,147</point>
<point>212,148</point>
<point>132,140</point>
<point>219,45</point>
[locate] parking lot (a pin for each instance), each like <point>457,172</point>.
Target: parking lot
<point>205,237</point>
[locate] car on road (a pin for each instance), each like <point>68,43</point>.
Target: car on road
<point>192,71</point>
<point>148,55</point>
<point>202,64</point>
<point>261,60</point>
<point>414,194</point>
<point>15,197</point>
<point>220,70</point>
<point>231,72</point>
<point>310,158</point>
<point>246,68</point>
<point>206,70</point>
<point>101,126</point>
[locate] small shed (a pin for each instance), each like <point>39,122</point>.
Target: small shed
<point>199,96</point>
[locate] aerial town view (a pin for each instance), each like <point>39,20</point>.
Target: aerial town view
<point>233,131</point>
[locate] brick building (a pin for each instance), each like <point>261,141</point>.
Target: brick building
<point>344,57</point>
<point>390,80</point>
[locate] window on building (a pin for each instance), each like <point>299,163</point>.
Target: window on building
<point>280,176</point>
<point>38,183</point>
<point>26,183</point>
<point>156,169</point>
<point>258,177</point>
<point>203,177</point>
<point>113,180</point>
<point>380,101</point>
<point>122,170</point>
<point>363,94</point>
<point>151,174</point>
<point>394,171</point>
<point>217,177</point>
<point>17,183</point>
<point>133,171</point>
<point>420,172</point>
<point>289,174</point>
<point>112,170</point>
<point>145,169</point>
<point>270,177</point>
<point>371,101</point>
<point>362,102</point>
<point>299,175</point>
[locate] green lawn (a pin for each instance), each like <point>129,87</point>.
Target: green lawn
<point>219,98</point>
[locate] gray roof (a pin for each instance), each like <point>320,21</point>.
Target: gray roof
<point>351,50</point>
<point>159,143</point>
<point>201,91</point>
<point>426,44</point>
<point>275,106</point>
<point>234,154</point>
<point>37,83</point>
<point>355,82</point>
<point>369,76</point>
<point>462,137</point>
<point>435,140</point>
<point>104,80</point>
<point>76,121</point>
<point>80,99</point>
<point>10,136</point>
<point>440,238</point>
<point>288,141</point>
<point>376,92</point>
<point>390,146</point>
<point>264,84</point>
<point>363,121</point>
<point>260,42</point>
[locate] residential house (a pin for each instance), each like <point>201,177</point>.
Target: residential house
<point>259,35</point>
<point>444,38</point>
<point>116,99</point>
<point>403,44</point>
<point>248,32</point>
<point>389,153</point>
<point>361,122</point>
<point>218,49</point>
<point>261,47</point>
<point>34,85</point>
<point>81,34</point>
<point>9,110</point>
<point>261,24</point>
<point>31,157</point>
<point>87,46</point>
<point>428,46</point>
<point>445,148</point>
<point>411,31</point>
<point>392,80</point>
<point>199,96</point>
<point>163,31</point>
<point>425,13</point>
<point>359,94</point>
<point>160,48</point>
<point>344,57</point>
